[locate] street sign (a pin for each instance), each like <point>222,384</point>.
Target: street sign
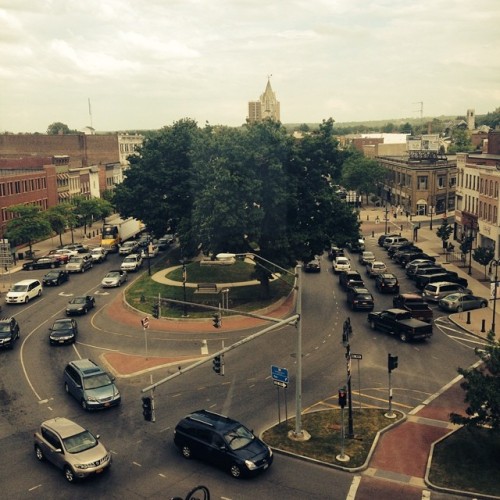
<point>145,322</point>
<point>356,356</point>
<point>279,374</point>
<point>280,384</point>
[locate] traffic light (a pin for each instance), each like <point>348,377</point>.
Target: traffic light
<point>218,365</point>
<point>217,320</point>
<point>155,311</point>
<point>342,398</point>
<point>147,408</point>
<point>392,363</point>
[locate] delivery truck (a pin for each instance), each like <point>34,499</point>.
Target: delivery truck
<point>116,231</point>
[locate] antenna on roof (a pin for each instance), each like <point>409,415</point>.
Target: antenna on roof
<point>90,114</point>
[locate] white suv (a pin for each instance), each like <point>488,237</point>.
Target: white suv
<point>23,291</point>
<point>341,264</point>
<point>131,262</point>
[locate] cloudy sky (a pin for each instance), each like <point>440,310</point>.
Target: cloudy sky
<point>145,64</point>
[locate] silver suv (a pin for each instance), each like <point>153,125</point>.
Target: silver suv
<point>71,448</point>
<point>90,385</point>
<point>434,292</point>
<point>132,262</point>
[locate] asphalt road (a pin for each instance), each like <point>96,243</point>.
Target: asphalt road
<point>146,464</point>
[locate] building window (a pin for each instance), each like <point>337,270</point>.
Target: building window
<point>422,182</point>
<point>480,209</point>
<point>496,189</point>
<point>491,188</point>
<point>453,181</point>
<point>441,181</point>
<point>494,214</point>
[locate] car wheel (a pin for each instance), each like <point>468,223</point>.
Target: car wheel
<point>186,451</point>
<point>39,453</point>
<point>85,310</point>
<point>235,471</point>
<point>66,388</point>
<point>31,268</point>
<point>69,474</point>
<point>403,337</point>
<point>26,299</point>
<point>39,293</point>
<point>83,270</point>
<point>52,266</point>
<point>119,283</point>
<point>84,404</point>
<point>372,325</point>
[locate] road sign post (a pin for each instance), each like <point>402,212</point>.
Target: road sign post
<point>280,380</point>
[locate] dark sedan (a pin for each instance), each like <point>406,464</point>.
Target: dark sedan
<point>80,305</point>
<point>55,277</point>
<point>313,266</point>
<point>42,263</point>
<point>63,331</point>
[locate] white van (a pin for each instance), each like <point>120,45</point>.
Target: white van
<point>23,291</point>
<point>394,240</point>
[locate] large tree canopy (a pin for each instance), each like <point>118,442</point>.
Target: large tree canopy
<point>239,189</point>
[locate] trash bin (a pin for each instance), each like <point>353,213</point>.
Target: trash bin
<point>20,256</point>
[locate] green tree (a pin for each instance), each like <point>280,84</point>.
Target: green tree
<point>444,231</point>
<point>483,256</point>
<point>58,219</point>
<point>482,389</point>
<point>460,141</point>
<point>406,128</point>
<point>491,119</point>
<point>57,128</point>
<point>362,174</point>
<point>28,226</point>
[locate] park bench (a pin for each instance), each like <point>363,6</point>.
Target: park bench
<point>207,288</point>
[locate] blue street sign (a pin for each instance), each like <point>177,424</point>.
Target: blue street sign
<point>279,374</point>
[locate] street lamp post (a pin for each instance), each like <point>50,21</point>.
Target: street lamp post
<point>184,279</point>
<point>386,219</point>
<point>496,263</point>
<point>299,434</point>
<point>471,239</point>
<point>431,213</point>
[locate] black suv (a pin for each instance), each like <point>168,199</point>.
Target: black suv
<point>360,298</point>
<point>347,277</point>
<point>222,441</point>
<point>9,332</point>
<point>387,282</point>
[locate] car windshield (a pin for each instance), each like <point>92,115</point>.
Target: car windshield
<point>52,274</point>
<point>239,437</point>
<point>61,325</point>
<point>77,300</point>
<point>113,275</point>
<point>19,288</point>
<point>454,296</point>
<point>4,328</point>
<point>364,296</point>
<point>130,259</point>
<point>101,380</point>
<point>80,442</point>
<point>75,259</point>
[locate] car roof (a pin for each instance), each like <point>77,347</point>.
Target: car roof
<point>214,420</point>
<point>25,282</point>
<point>63,426</point>
<point>387,275</point>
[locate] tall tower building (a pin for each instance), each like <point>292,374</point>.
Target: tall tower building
<point>471,119</point>
<point>266,107</point>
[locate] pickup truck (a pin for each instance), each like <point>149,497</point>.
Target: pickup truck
<point>419,309</point>
<point>399,322</point>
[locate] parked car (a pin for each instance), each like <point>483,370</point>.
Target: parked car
<point>128,247</point>
<point>434,292</point>
<point>458,302</point>
<point>62,254</point>
<point>90,385</point>
<point>356,246</point>
<point>165,241</point>
<point>360,298</point>
<point>114,278</point>
<point>393,240</point>
<point>387,283</point>
<point>382,238</point>
<point>99,254</point>
<point>42,263</point>
<point>71,448</point>
<point>341,264</point>
<point>23,291</point>
<point>79,263</point>
<point>421,268</point>
<point>222,441</point>
<point>347,277</point>
<point>55,277</point>
<point>80,305</point>
<point>451,276</point>
<point>365,257</point>
<point>375,267</point>
<point>9,332</point>
<point>313,266</point>
<point>132,262</point>
<point>63,331</point>
<point>407,257</point>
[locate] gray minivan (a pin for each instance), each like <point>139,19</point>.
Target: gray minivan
<point>436,291</point>
<point>90,385</point>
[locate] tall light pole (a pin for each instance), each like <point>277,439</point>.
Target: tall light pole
<point>184,279</point>
<point>471,239</point>
<point>496,263</point>
<point>431,213</point>
<point>386,219</point>
<point>299,434</point>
